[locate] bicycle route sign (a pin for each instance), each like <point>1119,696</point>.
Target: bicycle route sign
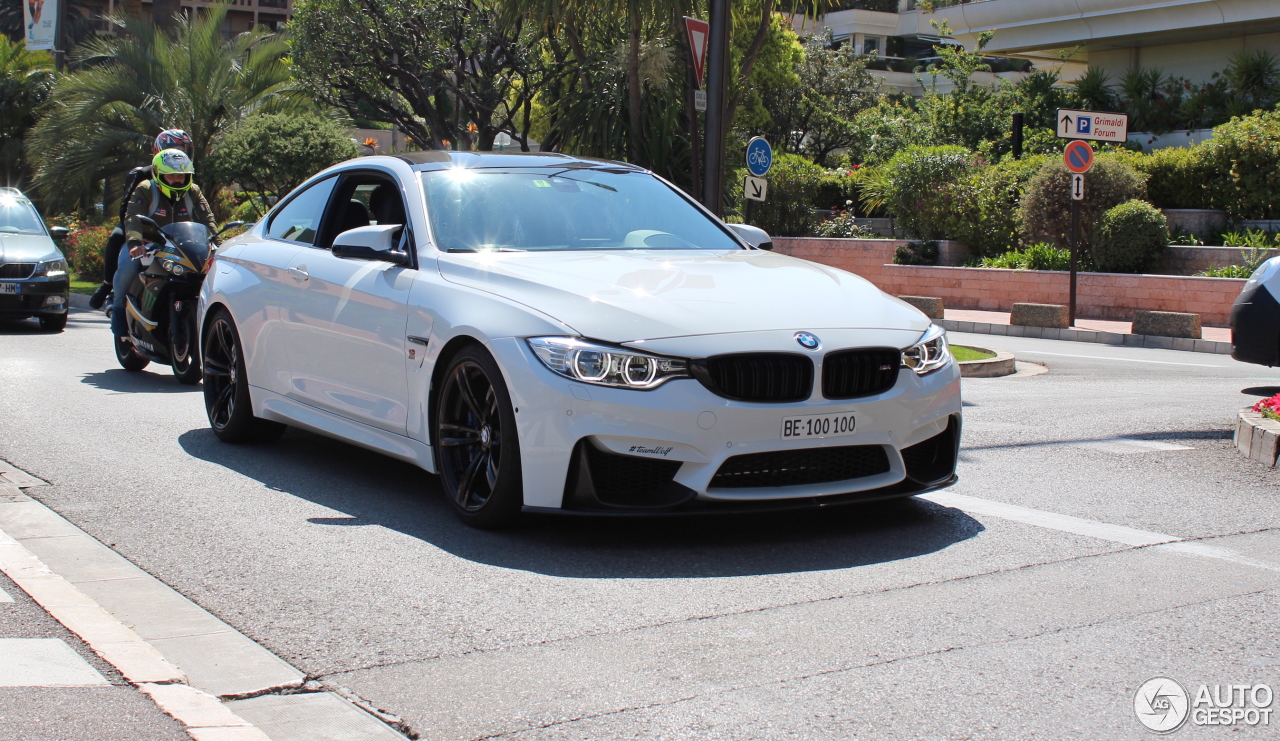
<point>759,157</point>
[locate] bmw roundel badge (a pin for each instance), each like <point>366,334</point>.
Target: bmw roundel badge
<point>808,340</point>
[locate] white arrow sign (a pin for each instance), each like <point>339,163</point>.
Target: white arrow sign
<point>755,188</point>
<point>1077,187</point>
<point>1097,126</point>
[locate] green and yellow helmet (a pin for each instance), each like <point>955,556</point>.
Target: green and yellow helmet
<point>172,162</point>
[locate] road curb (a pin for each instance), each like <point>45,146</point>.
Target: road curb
<point>1089,335</point>
<point>188,661</point>
<point>1257,437</point>
<point>1003,364</point>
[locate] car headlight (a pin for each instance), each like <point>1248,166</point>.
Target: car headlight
<point>930,353</point>
<point>604,365</point>
<point>51,268</point>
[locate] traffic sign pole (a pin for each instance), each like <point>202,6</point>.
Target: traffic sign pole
<point>1075,222</point>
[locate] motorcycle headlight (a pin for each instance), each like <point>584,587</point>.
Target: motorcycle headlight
<point>604,365</point>
<point>928,354</point>
<point>52,268</point>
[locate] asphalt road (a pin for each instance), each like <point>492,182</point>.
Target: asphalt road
<point>1013,612</point>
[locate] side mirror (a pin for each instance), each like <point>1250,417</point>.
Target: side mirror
<point>371,243</point>
<point>59,232</point>
<point>230,225</point>
<point>753,235</point>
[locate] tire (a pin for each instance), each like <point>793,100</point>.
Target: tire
<point>226,387</point>
<point>477,446</point>
<point>183,355</point>
<point>53,322</point>
<point>128,357</point>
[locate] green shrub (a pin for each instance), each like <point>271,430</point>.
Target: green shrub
<point>1130,238</point>
<point>916,253</point>
<point>273,153</point>
<point>838,190</point>
<point>843,225</point>
<point>1243,159</point>
<point>1177,177</point>
<point>83,248</point>
<point>915,186</point>
<point>982,210</point>
<point>1045,212</point>
<point>1039,256</point>
<point>793,186</point>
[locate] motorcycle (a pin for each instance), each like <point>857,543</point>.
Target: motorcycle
<point>160,305</point>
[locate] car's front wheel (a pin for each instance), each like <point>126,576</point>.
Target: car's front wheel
<point>53,322</point>
<point>478,450</point>
<point>226,387</point>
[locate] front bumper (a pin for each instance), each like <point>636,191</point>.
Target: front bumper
<point>1255,326</point>
<point>598,449</point>
<point>36,296</point>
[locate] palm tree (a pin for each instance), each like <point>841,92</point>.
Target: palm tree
<point>25,80</point>
<point>102,118</point>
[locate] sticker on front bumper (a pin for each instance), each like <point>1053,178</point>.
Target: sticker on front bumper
<point>817,425</point>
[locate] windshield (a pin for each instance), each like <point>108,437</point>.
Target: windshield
<point>564,209</point>
<point>18,216</point>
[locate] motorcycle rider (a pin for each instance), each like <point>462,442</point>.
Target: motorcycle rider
<point>168,197</point>
<point>167,139</point>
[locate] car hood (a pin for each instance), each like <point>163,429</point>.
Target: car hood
<point>635,295</point>
<point>27,248</point>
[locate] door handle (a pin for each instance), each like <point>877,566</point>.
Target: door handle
<point>299,273</point>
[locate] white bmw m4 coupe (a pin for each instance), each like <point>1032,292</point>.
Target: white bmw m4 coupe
<point>552,333</point>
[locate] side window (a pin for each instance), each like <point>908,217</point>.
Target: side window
<point>299,219</point>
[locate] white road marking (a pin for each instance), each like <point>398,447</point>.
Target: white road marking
<point>44,662</point>
<point>1120,360</point>
<point>4,596</point>
<point>1091,528</point>
<point>1129,446</point>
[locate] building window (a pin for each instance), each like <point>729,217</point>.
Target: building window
<point>871,45</point>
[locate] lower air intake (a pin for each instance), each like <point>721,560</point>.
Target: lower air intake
<point>794,467</point>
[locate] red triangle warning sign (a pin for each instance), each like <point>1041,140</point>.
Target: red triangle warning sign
<point>697,31</point>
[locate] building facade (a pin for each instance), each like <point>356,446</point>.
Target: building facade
<point>242,16</point>
<point>1185,38</point>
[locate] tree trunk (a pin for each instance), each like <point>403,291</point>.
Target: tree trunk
<point>748,61</point>
<point>165,13</point>
<point>636,133</point>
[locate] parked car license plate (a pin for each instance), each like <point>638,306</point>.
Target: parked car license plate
<point>10,288</point>
<point>817,425</point>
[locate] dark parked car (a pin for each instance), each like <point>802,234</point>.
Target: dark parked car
<point>33,271</point>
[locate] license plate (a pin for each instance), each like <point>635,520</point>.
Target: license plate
<point>10,288</point>
<point>817,425</point>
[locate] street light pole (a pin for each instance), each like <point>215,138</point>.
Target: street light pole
<point>717,77</point>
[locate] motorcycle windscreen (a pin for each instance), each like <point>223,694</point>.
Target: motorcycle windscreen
<point>192,238</point>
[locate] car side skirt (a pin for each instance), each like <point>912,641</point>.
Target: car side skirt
<point>270,405</point>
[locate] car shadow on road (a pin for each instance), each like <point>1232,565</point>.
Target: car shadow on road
<point>138,382</point>
<point>370,489</point>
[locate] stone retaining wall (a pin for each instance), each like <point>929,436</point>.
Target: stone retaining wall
<point>1100,295</point>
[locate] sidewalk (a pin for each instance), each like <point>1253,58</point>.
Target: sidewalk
<point>94,648</point>
<point>1216,340</point>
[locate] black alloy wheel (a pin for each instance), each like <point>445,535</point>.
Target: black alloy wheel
<point>182,348</point>
<point>226,387</point>
<point>128,356</point>
<point>478,447</point>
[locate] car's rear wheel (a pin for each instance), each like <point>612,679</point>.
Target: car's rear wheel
<point>127,355</point>
<point>478,450</point>
<point>53,322</point>
<point>226,387</point>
